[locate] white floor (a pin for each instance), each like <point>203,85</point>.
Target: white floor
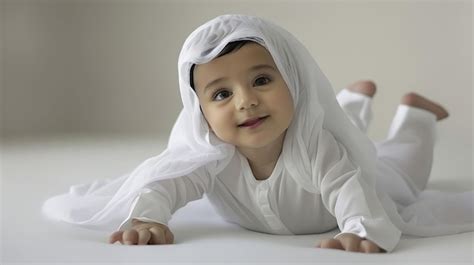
<point>33,169</point>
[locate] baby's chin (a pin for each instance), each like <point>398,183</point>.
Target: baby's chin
<point>263,143</point>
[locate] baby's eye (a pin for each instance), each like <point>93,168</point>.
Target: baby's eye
<point>220,95</point>
<point>262,81</point>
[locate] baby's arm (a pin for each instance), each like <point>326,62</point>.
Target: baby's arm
<point>351,197</point>
<point>153,208</point>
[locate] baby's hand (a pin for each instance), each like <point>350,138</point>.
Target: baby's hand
<point>350,242</point>
<point>143,233</point>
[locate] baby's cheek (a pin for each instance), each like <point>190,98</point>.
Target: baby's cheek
<point>225,138</point>
<point>219,130</point>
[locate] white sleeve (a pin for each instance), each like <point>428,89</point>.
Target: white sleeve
<point>158,201</point>
<point>352,199</point>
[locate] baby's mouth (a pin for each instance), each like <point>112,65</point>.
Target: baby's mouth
<point>252,122</point>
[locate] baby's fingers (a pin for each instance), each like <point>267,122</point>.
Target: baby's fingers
<point>116,236</point>
<point>350,242</point>
<point>369,247</point>
<point>157,235</point>
<point>130,237</point>
<point>144,236</point>
<point>169,237</point>
<point>330,243</point>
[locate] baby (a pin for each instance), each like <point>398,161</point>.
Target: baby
<point>265,138</point>
<point>247,104</point>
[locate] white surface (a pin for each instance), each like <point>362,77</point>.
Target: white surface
<point>35,168</point>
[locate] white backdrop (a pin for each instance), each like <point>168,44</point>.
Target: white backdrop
<point>110,66</point>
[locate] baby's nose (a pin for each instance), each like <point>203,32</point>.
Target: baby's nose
<point>247,99</point>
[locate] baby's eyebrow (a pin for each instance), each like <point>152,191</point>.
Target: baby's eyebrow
<point>251,69</point>
<point>214,82</point>
<point>260,66</point>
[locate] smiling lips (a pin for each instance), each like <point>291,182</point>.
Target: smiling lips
<point>253,122</point>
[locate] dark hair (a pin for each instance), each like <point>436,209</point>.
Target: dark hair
<point>229,48</point>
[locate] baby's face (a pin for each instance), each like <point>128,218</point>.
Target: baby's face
<point>244,85</point>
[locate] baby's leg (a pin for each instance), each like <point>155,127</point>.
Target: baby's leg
<point>356,101</point>
<point>411,138</point>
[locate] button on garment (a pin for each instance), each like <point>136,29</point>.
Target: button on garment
<point>262,195</point>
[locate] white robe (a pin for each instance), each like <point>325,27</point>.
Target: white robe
<point>279,205</point>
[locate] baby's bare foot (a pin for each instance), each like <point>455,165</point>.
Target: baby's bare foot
<point>365,87</point>
<point>415,100</point>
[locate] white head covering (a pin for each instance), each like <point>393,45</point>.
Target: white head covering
<point>105,204</point>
